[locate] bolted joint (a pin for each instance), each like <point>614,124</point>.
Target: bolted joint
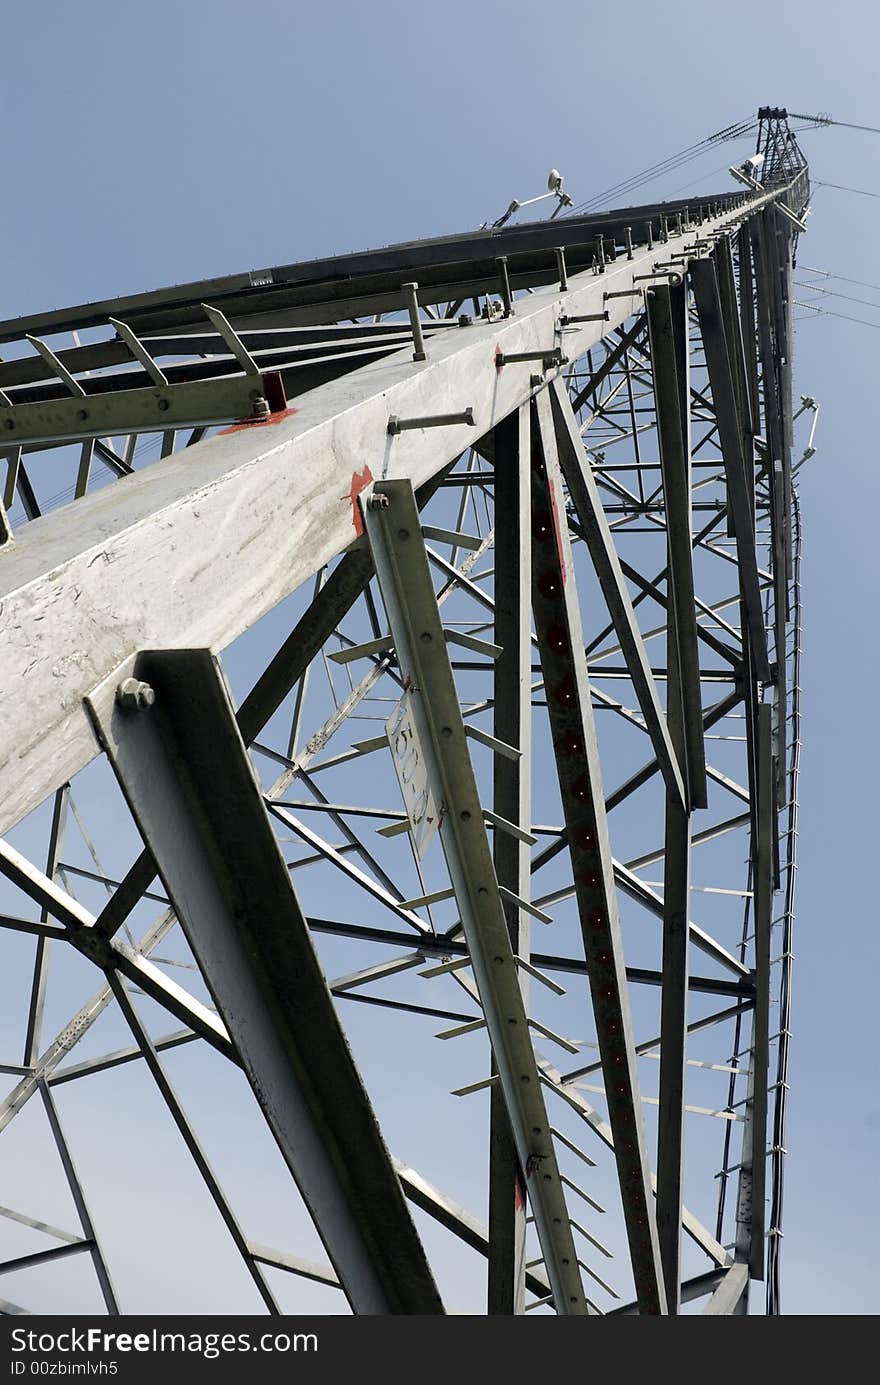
<point>96,946</point>
<point>583,317</point>
<point>134,696</point>
<point>402,425</point>
<point>377,501</point>
<point>260,408</point>
<point>548,359</point>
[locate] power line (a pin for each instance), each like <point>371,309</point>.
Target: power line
<point>829,293</point>
<point>810,269</point>
<point>826,120</point>
<point>824,312</point>
<point>840,187</point>
<point>730,132</point>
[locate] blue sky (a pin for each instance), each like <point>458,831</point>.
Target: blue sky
<point>147,145</point>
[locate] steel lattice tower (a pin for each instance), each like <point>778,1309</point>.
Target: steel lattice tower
<point>523,500</point>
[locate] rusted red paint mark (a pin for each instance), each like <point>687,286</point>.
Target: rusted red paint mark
<point>499,359</point>
<point>359,482</point>
<point>258,422</point>
<point>560,551</point>
<point>519,1193</point>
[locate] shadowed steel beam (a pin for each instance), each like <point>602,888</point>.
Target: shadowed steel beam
<point>512,724</point>
<point>750,1213</point>
<point>708,300</point>
<point>737,351</point>
<point>392,524</point>
<point>218,858</point>
<point>566,679</point>
<point>748,332</point>
<point>584,495</point>
<point>673,1016</point>
<point>666,326</point>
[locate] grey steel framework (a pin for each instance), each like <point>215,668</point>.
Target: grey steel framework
<point>531,494</point>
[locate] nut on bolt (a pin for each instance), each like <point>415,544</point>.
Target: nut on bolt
<point>134,696</point>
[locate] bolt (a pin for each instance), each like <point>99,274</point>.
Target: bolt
<point>134,696</point>
<point>377,501</point>
<point>261,407</point>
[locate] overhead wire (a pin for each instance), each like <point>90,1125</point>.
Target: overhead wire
<point>731,132</point>
<point>826,312</point>
<point>826,274</point>
<point>824,120</point>
<point>817,183</point>
<point>830,293</point>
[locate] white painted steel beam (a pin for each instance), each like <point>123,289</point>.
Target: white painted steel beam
<point>190,551</point>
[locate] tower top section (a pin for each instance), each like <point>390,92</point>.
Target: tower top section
<point>782,157</point>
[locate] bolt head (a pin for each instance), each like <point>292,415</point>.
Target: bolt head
<point>134,696</point>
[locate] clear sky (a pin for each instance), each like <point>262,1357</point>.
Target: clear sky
<point>152,144</point>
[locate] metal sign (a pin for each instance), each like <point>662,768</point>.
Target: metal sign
<point>411,768</point>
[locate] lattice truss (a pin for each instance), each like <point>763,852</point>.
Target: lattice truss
<point>395,779</point>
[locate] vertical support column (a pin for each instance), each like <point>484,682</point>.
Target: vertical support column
<point>512,801</point>
<point>708,299</point>
<point>668,324</point>
<point>733,337</point>
<point>748,336</point>
<point>566,678</point>
<point>674,434</point>
<point>772,419</point>
<point>750,1215</point>
<point>673,1007</point>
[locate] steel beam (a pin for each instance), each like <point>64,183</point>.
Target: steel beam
<point>218,858</point>
<point>727,1295</point>
<point>718,362</point>
<point>131,411</point>
<point>666,326</point>
<point>673,1027</point>
<point>192,552</point>
<point>750,1213</point>
<point>392,523</point>
<point>566,679</point>
<point>512,725</point>
<point>584,495</point>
